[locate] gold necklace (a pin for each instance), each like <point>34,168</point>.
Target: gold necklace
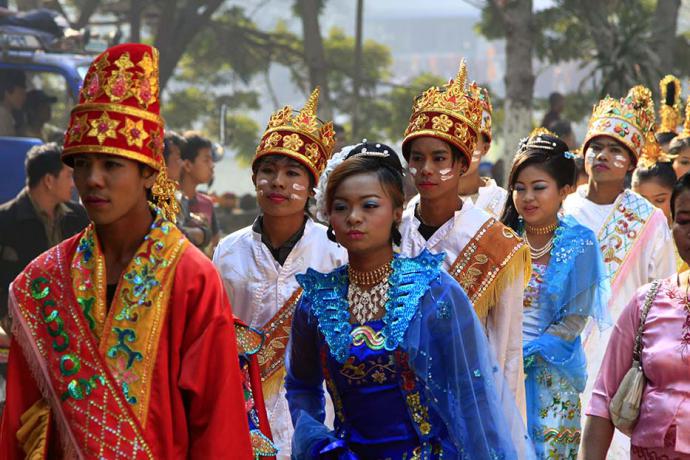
<point>371,277</point>
<point>545,230</point>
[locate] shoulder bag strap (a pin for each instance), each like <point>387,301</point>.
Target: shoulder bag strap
<point>649,299</point>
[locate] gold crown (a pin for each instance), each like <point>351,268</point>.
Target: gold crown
<point>629,120</point>
<point>452,113</point>
<point>669,108</point>
<point>300,136</point>
<point>487,111</point>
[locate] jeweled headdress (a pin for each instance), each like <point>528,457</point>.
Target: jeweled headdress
<point>300,136</point>
<point>452,113</point>
<point>119,114</point>
<point>629,120</point>
<point>669,108</point>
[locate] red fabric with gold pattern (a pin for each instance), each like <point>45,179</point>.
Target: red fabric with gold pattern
<point>119,107</point>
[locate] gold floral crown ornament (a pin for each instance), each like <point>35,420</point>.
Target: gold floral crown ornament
<point>669,109</point>
<point>300,136</point>
<point>487,112</point>
<point>452,113</point>
<point>119,114</point>
<point>629,120</point>
<point>685,133</point>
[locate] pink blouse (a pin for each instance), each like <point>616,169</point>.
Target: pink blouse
<point>665,361</point>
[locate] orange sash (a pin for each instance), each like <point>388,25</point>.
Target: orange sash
<point>272,354</point>
<point>489,261</point>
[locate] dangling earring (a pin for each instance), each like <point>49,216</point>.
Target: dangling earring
<point>521,224</point>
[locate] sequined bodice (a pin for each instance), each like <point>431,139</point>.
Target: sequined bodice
<point>379,404</point>
<point>530,315</point>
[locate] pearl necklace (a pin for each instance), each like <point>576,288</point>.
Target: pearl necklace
<point>538,253</point>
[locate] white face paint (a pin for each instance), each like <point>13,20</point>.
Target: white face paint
<point>619,161</point>
<point>299,187</point>
<point>294,197</point>
<point>590,156</point>
<point>262,182</point>
<point>445,174</point>
<point>261,192</point>
<point>413,171</point>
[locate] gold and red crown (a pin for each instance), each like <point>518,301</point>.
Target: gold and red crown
<point>452,113</point>
<point>119,108</point>
<point>487,111</point>
<point>629,120</point>
<point>685,133</point>
<point>300,136</point>
<point>669,108</point>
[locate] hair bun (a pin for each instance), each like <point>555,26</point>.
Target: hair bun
<point>379,152</point>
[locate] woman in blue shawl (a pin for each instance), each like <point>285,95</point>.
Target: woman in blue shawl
<point>568,285</point>
<point>404,357</point>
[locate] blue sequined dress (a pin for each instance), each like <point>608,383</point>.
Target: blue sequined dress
<point>416,384</point>
<point>559,298</point>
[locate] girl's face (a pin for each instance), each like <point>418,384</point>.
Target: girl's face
<point>681,164</point>
<point>282,187</point>
<point>681,225</point>
<point>436,173</point>
<point>537,196</point>
<point>362,214</point>
<point>657,194</point>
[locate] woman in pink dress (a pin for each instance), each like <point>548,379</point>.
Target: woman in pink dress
<point>663,427</point>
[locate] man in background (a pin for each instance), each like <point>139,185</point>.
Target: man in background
<point>556,106</point>
<point>38,109</point>
<point>12,97</point>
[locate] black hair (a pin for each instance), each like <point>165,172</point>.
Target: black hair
<point>172,138</point>
<point>247,202</point>
<point>663,138</point>
<point>194,143</point>
<point>553,158</point>
<point>11,79</point>
<point>678,144</point>
<point>378,159</point>
<point>682,185</point>
<point>661,172</point>
<point>455,151</point>
<point>41,160</point>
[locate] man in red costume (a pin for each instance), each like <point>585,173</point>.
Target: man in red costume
<point>122,333</point>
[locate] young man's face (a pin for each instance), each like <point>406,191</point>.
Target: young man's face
<point>201,169</point>
<point>436,173</point>
<point>111,187</point>
<point>282,186</point>
<point>483,146</point>
<point>174,162</point>
<point>15,97</point>
<point>608,160</point>
<point>61,186</point>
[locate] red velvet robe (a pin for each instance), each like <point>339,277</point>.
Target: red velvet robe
<point>196,407</point>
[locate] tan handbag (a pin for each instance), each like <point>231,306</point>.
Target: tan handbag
<point>625,405</point>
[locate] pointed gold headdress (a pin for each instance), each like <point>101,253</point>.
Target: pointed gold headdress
<point>300,136</point>
<point>669,108</point>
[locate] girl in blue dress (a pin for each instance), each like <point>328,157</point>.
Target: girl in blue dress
<point>404,357</point>
<point>568,285</point>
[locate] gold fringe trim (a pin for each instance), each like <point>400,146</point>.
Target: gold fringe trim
<point>272,385</point>
<point>33,433</point>
<point>519,264</point>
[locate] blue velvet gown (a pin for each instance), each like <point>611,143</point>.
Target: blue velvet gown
<point>416,384</point>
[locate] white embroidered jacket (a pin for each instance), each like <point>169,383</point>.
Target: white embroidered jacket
<point>258,286</point>
<point>503,325</point>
